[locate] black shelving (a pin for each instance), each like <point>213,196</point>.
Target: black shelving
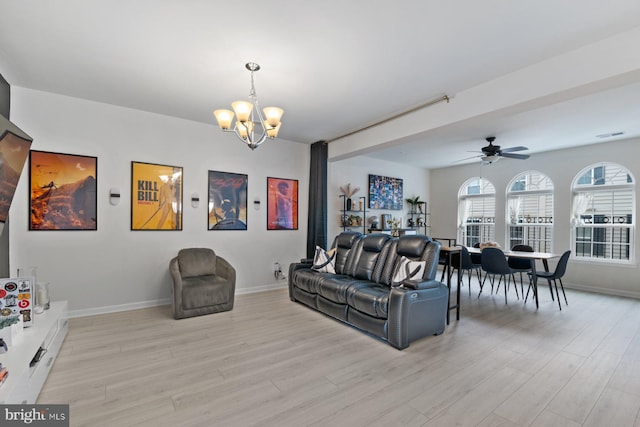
<point>350,213</point>
<point>412,221</point>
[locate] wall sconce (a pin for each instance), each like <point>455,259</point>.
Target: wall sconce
<point>195,200</point>
<point>256,204</point>
<point>114,196</point>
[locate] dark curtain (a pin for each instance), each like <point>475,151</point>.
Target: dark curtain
<point>317,228</point>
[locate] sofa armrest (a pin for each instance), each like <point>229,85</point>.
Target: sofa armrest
<point>416,284</point>
<point>415,313</point>
<point>292,268</point>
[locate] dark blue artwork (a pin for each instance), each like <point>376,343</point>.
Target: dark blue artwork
<point>385,192</point>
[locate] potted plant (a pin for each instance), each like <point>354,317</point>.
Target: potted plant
<point>414,202</point>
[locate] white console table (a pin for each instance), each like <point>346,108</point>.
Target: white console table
<point>48,331</point>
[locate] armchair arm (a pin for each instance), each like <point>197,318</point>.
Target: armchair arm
<point>176,289</point>
<point>225,269</point>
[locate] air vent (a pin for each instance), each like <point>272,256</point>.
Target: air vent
<point>609,135</point>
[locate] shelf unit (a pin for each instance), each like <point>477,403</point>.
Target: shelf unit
<point>413,216</point>
<point>353,211</point>
<point>29,360</point>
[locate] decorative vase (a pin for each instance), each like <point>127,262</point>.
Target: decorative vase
<point>348,204</point>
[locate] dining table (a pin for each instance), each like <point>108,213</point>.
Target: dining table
<point>534,256</point>
<point>448,251</point>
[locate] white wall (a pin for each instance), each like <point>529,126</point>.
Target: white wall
<point>561,166</point>
<point>356,171</point>
<point>114,268</point>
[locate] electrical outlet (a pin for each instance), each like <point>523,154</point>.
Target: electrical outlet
<point>277,271</point>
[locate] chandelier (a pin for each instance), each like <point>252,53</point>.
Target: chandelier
<point>251,126</point>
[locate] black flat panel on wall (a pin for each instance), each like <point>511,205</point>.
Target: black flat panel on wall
<point>5,106</point>
<point>5,97</point>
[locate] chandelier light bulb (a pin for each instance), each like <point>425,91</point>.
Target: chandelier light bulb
<point>273,115</point>
<point>224,118</point>
<point>243,110</point>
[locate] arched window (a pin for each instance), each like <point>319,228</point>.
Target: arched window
<point>476,211</point>
<point>602,210</point>
<point>530,211</point>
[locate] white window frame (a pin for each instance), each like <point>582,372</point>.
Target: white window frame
<point>487,227</point>
<point>610,227</point>
<point>529,224</point>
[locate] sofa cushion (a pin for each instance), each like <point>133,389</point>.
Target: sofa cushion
<point>307,279</point>
<point>195,262</point>
<point>343,244</point>
<point>412,246</point>
<point>335,287</point>
<point>372,299</point>
<point>369,254</point>
<point>204,291</point>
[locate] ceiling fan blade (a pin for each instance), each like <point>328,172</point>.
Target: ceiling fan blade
<point>512,149</point>
<point>515,156</point>
<point>468,158</point>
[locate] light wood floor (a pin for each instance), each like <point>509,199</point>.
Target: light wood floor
<point>272,362</point>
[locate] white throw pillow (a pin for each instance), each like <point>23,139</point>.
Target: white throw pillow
<point>323,261</point>
<point>408,270</point>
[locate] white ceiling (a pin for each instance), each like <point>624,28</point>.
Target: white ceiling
<point>334,66</point>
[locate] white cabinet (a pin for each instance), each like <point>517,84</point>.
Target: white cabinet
<point>26,374</point>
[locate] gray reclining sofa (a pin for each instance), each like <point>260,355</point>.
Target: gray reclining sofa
<point>360,292</point>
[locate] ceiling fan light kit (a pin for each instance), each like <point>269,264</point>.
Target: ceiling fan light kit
<point>492,153</point>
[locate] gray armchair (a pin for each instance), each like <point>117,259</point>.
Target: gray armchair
<point>203,283</point>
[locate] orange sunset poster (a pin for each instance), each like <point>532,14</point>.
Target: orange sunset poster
<point>62,191</point>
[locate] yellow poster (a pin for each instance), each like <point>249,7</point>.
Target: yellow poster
<point>156,197</point>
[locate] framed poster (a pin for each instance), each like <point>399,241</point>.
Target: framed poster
<point>156,197</point>
<point>385,193</point>
<point>282,204</point>
<point>227,205</point>
<point>62,191</point>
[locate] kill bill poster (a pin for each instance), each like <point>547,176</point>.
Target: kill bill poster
<point>156,197</point>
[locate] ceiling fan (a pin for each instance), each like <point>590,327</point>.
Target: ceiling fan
<point>492,153</point>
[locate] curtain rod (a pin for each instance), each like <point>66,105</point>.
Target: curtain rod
<point>404,113</point>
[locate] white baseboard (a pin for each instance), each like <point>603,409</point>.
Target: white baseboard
<point>164,301</point>
<point>598,290</point>
<point>118,308</point>
<point>270,287</point>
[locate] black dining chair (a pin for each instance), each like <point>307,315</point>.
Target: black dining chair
<point>476,258</point>
<point>554,276</point>
<point>521,265</point>
<point>494,263</point>
<point>467,265</point>
<point>442,259</point>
